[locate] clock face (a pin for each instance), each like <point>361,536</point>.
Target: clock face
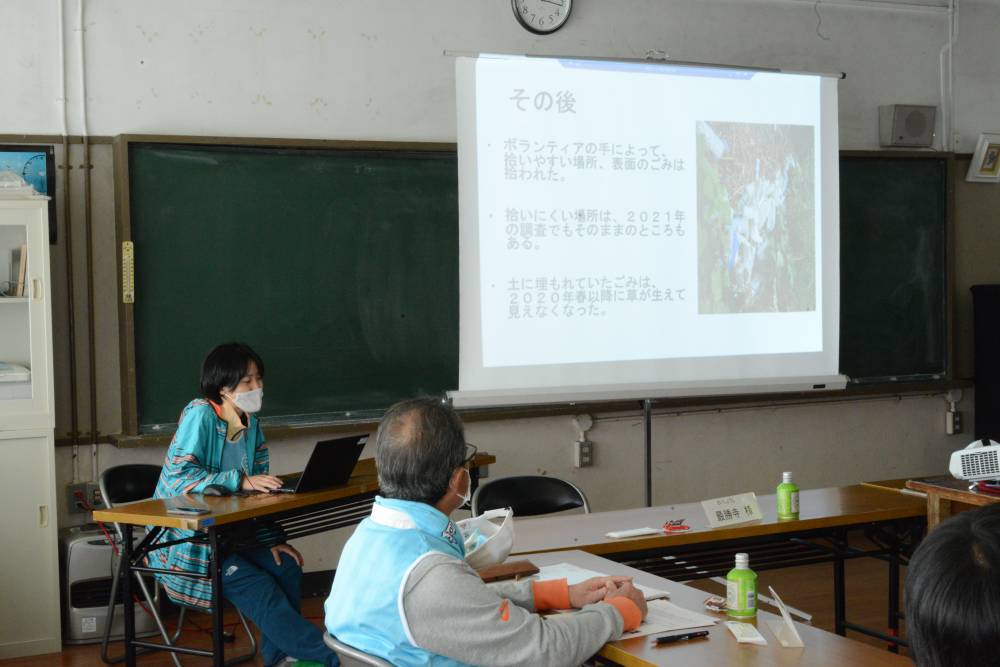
<point>542,16</point>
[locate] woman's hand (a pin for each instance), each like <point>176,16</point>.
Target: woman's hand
<point>594,590</point>
<point>264,483</point>
<point>276,551</point>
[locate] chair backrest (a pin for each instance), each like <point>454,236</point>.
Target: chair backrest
<point>350,656</point>
<point>528,495</point>
<point>125,483</point>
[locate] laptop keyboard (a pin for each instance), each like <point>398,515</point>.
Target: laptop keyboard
<point>290,482</point>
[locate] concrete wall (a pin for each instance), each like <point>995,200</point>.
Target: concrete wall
<point>375,69</point>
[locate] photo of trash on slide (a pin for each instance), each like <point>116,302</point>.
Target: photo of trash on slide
<point>756,218</point>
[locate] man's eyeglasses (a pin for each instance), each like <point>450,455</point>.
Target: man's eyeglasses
<point>470,453</point>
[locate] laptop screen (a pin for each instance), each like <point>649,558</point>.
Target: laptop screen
<point>331,463</point>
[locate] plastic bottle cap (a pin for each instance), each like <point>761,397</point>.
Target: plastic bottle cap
<point>786,478</point>
<point>742,560</point>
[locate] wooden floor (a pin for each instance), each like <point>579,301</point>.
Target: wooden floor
<point>809,588</point>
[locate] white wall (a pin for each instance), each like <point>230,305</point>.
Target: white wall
<point>375,69</point>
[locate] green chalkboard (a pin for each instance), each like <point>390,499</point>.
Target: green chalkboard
<point>894,267</point>
<point>338,266</point>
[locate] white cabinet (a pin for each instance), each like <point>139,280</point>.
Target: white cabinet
<point>25,316</point>
<point>29,557</point>
<point>29,562</point>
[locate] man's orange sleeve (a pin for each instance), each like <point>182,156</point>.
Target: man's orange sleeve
<point>629,611</point>
<point>551,594</point>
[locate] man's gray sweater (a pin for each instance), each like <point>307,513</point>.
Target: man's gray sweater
<point>448,610</point>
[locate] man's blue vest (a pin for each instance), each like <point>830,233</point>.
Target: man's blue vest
<point>365,607</point>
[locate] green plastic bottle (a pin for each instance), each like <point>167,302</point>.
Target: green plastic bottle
<point>788,498</point>
<point>741,589</point>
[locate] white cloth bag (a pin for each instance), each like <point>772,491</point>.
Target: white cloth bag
<point>499,537</point>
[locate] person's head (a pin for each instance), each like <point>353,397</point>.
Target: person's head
<point>953,592</point>
<point>231,369</point>
<point>420,451</point>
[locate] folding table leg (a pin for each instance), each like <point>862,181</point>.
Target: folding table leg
<point>128,604</point>
<point>839,595</point>
<point>218,645</point>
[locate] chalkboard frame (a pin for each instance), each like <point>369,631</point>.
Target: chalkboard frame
<point>947,374</point>
<point>121,148</point>
<point>126,321</point>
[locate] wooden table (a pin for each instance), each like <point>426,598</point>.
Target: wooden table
<point>822,649</point>
<point>229,527</point>
<point>947,495</point>
<point>894,519</point>
<point>895,484</point>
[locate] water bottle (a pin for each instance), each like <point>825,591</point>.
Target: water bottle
<point>741,589</point>
<point>788,498</point>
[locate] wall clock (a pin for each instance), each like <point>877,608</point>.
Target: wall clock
<point>542,17</point>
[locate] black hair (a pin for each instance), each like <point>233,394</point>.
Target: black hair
<point>953,592</point>
<point>419,443</point>
<point>225,366</point>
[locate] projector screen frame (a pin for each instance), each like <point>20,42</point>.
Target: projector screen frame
<point>488,381</point>
<point>649,60</point>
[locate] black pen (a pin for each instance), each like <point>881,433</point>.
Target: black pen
<point>670,639</point>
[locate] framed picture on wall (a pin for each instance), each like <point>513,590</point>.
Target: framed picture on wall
<point>985,166</point>
<point>37,166</point>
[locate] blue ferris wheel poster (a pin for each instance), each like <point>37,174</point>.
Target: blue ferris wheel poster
<point>36,165</point>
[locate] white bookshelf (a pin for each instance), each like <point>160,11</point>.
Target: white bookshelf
<point>25,321</point>
<point>29,561</point>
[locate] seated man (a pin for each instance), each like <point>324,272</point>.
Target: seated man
<point>953,592</point>
<point>404,592</point>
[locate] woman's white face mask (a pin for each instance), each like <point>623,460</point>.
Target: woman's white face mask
<point>248,401</point>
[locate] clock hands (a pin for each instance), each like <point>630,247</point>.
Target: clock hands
<point>554,2</point>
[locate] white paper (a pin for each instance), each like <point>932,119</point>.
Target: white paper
<point>746,633</point>
<point>574,575</point>
<point>731,510</point>
<point>632,532</point>
<point>784,629</point>
<point>13,373</point>
<point>665,616</point>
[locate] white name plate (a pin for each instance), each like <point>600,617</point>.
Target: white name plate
<point>731,510</point>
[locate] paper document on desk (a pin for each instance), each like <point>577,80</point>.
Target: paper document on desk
<point>574,575</point>
<point>665,616</point>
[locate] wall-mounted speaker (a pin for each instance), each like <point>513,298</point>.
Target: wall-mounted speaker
<point>906,125</point>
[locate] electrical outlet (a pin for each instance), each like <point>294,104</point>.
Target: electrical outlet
<point>94,496</point>
<point>76,495</point>
<point>953,422</point>
<point>583,453</point>
<point>82,494</point>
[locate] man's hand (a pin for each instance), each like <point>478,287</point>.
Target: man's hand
<point>276,551</point>
<point>262,483</point>
<point>594,590</point>
<point>632,593</point>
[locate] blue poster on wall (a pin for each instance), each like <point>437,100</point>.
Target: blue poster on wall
<point>36,165</point>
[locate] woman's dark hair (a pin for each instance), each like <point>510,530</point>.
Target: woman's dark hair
<point>225,366</point>
<point>953,592</point>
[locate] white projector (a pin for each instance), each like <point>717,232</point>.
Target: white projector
<point>978,462</point>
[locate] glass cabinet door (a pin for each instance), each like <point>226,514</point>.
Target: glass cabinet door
<point>25,316</point>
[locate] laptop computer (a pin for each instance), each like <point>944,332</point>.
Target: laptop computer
<point>330,464</point>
